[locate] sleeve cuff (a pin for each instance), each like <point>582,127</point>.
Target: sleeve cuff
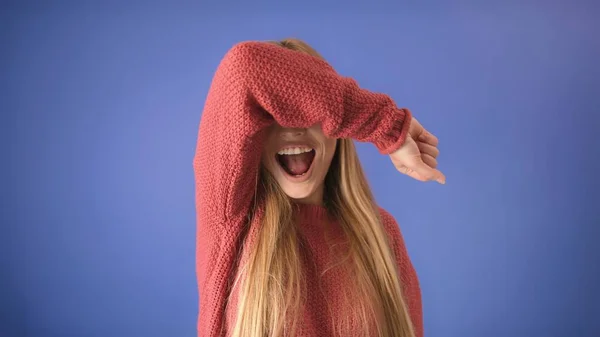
<point>398,132</point>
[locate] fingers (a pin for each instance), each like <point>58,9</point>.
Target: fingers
<point>424,172</point>
<point>428,138</point>
<point>428,149</point>
<point>420,177</point>
<point>429,160</point>
<point>417,159</point>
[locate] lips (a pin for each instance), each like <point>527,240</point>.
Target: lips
<point>296,164</point>
<point>295,161</point>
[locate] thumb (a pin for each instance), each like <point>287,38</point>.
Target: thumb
<point>427,173</point>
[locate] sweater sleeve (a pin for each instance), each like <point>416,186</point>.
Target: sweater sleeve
<point>259,83</point>
<point>408,274</point>
<point>255,85</point>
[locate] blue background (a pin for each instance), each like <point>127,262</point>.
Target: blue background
<point>100,108</point>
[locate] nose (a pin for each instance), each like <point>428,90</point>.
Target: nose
<point>291,133</point>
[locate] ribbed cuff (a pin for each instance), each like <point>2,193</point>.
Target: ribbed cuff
<point>397,133</point>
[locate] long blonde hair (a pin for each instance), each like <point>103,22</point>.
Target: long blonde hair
<point>270,304</point>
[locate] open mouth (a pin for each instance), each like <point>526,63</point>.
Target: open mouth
<point>296,161</point>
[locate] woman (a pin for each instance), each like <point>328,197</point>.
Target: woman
<point>289,240</point>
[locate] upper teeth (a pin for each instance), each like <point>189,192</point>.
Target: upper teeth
<point>294,150</point>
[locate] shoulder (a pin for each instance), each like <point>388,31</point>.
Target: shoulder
<point>385,215</point>
<point>408,273</point>
<point>388,220</point>
<point>393,230</point>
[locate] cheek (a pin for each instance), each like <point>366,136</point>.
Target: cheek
<point>330,148</point>
<point>268,163</point>
<point>266,160</point>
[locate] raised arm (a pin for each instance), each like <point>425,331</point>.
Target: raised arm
<point>258,83</point>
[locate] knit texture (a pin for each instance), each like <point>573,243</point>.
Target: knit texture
<point>324,246</point>
<point>255,85</point>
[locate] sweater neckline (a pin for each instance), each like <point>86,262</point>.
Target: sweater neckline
<point>312,210</point>
<point>314,217</point>
<point>317,222</point>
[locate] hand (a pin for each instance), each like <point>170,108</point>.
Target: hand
<point>417,156</point>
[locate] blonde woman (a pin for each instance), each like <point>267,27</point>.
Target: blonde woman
<point>290,241</point>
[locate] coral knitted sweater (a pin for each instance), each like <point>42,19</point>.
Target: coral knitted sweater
<point>255,85</point>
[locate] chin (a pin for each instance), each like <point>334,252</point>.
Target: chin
<point>298,193</point>
<point>299,185</point>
